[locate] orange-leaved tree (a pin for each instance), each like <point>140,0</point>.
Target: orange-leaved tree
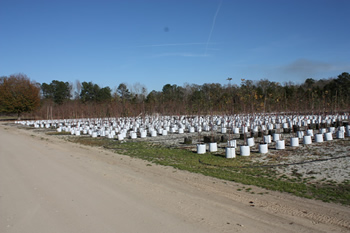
<point>18,94</point>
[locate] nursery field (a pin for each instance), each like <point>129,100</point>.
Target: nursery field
<point>90,179</point>
<point>314,169</point>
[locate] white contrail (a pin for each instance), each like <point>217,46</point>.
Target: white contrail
<point>212,27</point>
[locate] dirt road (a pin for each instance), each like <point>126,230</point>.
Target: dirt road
<point>50,185</point>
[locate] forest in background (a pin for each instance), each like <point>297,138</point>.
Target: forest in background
<point>63,100</point>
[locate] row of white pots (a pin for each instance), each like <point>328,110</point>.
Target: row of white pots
<point>280,144</point>
<point>160,131</point>
<point>236,123</point>
<point>230,151</point>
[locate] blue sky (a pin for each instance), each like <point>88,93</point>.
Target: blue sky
<point>173,41</point>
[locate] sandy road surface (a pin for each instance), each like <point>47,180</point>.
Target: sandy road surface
<point>49,185</point>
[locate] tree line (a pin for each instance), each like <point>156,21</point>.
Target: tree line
<point>60,99</point>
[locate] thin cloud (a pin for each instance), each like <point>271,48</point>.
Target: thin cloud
<point>175,44</point>
<point>341,67</point>
<point>301,69</point>
<point>306,68</point>
<point>180,55</point>
<point>212,26</point>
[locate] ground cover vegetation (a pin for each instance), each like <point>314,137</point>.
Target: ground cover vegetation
<point>85,99</point>
<point>244,170</point>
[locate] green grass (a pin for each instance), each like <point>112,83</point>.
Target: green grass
<point>58,133</point>
<point>216,165</point>
<point>8,118</point>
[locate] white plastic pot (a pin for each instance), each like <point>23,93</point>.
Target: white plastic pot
<point>153,133</point>
<point>270,126</point>
<point>300,134</point>
<point>323,130</point>
<point>201,149</point>
<point>340,134</point>
<point>232,143</point>
<point>294,141</point>
<point>263,148</point>
<point>276,137</point>
<point>143,134</point>
<point>133,135</point>
<point>280,145</point>
<point>250,142</point>
<point>328,136</point>
<point>307,140</point>
<point>244,150</point>
<point>213,147</point>
<point>244,129</point>
<point>267,138</point>
<point>230,152</point>
<point>310,132</point>
<point>319,137</point>
<point>120,137</point>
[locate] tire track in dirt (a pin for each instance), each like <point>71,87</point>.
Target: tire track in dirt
<point>333,217</point>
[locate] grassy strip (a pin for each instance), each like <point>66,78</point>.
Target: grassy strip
<point>59,133</point>
<point>237,169</point>
<point>8,118</point>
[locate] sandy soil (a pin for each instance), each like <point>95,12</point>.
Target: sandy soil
<point>50,185</point>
